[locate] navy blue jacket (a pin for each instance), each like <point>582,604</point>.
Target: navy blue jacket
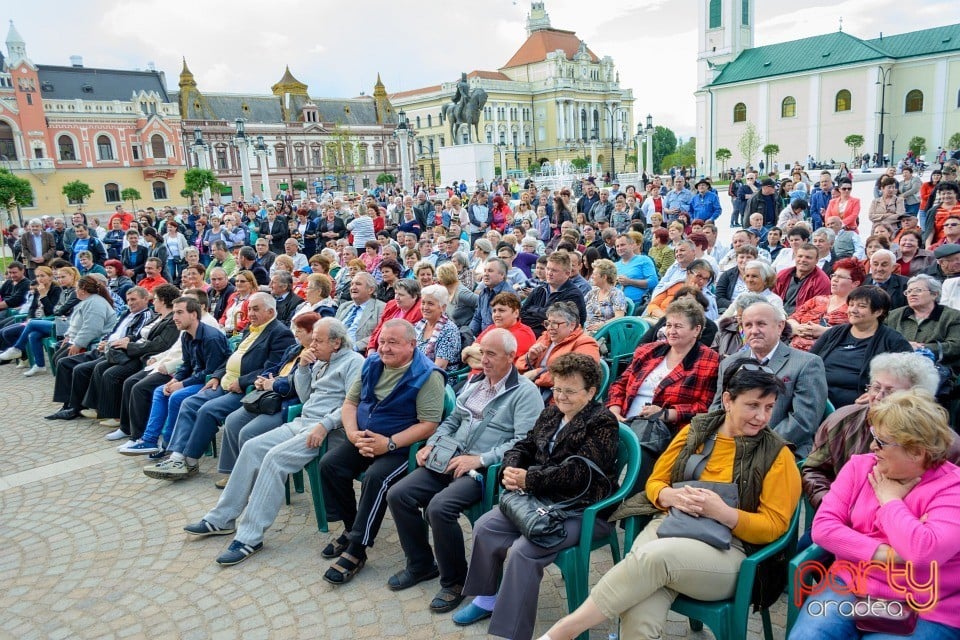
<point>398,411</point>
<point>203,354</point>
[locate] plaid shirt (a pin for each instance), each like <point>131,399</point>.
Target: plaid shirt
<point>688,389</point>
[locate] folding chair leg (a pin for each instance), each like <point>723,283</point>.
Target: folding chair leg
<point>298,481</point>
<point>767,626</point>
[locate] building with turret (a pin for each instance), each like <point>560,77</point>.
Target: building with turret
<point>112,129</point>
<point>553,100</point>
<point>807,96</point>
<point>289,137</point>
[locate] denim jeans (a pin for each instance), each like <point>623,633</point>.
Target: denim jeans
<point>10,333</point>
<point>834,626</point>
<point>33,333</point>
<point>163,410</point>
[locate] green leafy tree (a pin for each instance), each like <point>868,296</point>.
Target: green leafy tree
<point>132,195</point>
<point>14,192</point>
<point>770,151</point>
<point>77,191</point>
<point>580,164</point>
<point>631,157</point>
<point>954,141</point>
<point>664,143</point>
<point>386,178</point>
<point>533,167</point>
<point>855,142</point>
<point>749,143</point>
<point>723,155</point>
<point>300,185</point>
<point>917,144</point>
<point>197,180</point>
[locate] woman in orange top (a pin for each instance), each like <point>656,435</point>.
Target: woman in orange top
<point>405,304</point>
<point>846,207</point>
<point>949,208</point>
<point>563,335</point>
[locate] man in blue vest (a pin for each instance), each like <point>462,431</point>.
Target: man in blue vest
<point>396,402</point>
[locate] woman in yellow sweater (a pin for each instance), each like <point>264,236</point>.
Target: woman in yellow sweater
<point>740,447</point>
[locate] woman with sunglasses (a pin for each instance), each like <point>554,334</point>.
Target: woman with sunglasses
<point>740,448</point>
<point>898,507</point>
<point>846,207</point>
<point>926,189</point>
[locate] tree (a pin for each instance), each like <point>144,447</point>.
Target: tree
<point>630,157</point>
<point>770,151</point>
<point>749,143</point>
<point>300,185</point>
<point>580,164</point>
<point>723,154</point>
<point>386,178</point>
<point>534,167</point>
<point>664,143</point>
<point>14,191</point>
<point>197,180</point>
<point>684,156</point>
<point>132,195</point>
<point>954,141</point>
<point>917,144</point>
<point>77,191</point>
<point>854,141</point>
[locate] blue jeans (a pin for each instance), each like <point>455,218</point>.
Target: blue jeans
<point>33,333</point>
<point>10,333</point>
<point>834,626</point>
<point>162,407</point>
<point>200,418</point>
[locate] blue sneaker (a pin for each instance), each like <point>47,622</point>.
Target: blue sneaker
<point>237,552</point>
<point>203,529</point>
<point>138,448</point>
<point>159,454</point>
<point>469,615</point>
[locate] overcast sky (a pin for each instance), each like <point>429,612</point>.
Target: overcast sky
<point>337,47</point>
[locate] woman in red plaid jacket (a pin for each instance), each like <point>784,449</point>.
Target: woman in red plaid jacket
<point>677,376</point>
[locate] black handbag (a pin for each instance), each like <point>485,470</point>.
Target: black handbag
<point>678,524</point>
<point>262,402</point>
<point>540,520</point>
<point>653,433</point>
<point>116,356</point>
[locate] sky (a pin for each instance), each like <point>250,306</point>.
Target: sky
<point>337,47</point>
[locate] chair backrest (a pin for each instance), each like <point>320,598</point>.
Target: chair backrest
<point>604,381</point>
<point>622,337</point>
<point>631,307</point>
<point>827,410</point>
<point>449,400</point>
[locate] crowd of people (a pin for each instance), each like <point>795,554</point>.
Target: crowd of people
<point>167,327</point>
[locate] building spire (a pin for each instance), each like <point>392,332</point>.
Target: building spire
<point>16,46</point>
<point>537,19</point>
<point>186,77</point>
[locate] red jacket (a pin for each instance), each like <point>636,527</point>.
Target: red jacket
<point>688,389</point>
<point>816,284</point>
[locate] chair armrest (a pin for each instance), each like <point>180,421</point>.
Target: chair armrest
<point>748,568</point>
<point>293,411</point>
<point>490,493</point>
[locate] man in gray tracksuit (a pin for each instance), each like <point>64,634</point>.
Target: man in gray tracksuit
<point>494,410</point>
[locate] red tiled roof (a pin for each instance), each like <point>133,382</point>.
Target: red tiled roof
<point>540,43</point>
<point>414,92</point>
<point>488,75</point>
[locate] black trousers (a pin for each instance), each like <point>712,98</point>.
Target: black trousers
<point>71,381</point>
<point>339,467</point>
<point>442,498</point>
<point>106,387</point>
<point>135,404</point>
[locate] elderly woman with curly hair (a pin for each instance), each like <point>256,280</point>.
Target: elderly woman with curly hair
<point>605,301</point>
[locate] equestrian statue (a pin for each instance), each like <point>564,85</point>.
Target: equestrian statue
<point>465,108</point>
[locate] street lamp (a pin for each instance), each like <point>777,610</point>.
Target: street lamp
<point>516,152</point>
<point>502,148</point>
<point>649,130</point>
<point>884,81</point>
<point>261,150</point>
<point>403,132</point>
<point>593,150</point>
<point>242,142</point>
<point>200,148</point>
<point>613,110</point>
<point>639,137</point>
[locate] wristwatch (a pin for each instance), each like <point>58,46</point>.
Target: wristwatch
<point>391,445</point>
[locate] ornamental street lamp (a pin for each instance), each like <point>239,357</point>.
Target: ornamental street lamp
<point>242,143</point>
<point>403,132</point>
<point>201,149</point>
<point>883,81</point>
<point>613,110</point>
<point>648,130</point>
<point>261,150</point>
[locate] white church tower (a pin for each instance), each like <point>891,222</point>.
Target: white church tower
<point>725,29</point>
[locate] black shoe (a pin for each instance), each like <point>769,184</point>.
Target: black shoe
<point>159,455</point>
<point>406,578</point>
<point>63,414</point>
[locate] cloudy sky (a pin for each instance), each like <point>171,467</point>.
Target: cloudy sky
<point>337,47</point>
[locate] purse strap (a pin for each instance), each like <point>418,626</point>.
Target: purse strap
<point>593,470</point>
<point>698,461</point>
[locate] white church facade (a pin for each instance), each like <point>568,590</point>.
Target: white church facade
<point>807,95</point>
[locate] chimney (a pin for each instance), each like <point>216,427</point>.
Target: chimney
<point>151,66</point>
<point>76,61</point>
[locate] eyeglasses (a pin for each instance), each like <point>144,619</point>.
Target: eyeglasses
<point>558,391</point>
<point>951,224</point>
<point>845,188</point>
<point>840,277</point>
<point>915,291</point>
<point>880,443</point>
<point>879,391</point>
<point>756,367</point>
<point>550,324</point>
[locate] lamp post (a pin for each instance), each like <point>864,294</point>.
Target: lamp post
<point>200,148</point>
<point>648,130</point>
<point>893,151</point>
<point>637,139</point>
<point>402,133</point>
<point>242,142</point>
<point>593,151</point>
<point>502,148</point>
<point>516,152</point>
<point>884,81</point>
<point>612,109</point>
<point>262,151</point>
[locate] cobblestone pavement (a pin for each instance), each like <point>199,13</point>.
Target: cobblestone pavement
<point>92,548</point>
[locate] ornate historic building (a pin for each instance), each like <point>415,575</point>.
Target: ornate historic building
<point>289,137</point>
<point>112,129</point>
<point>546,103</point>
<point>807,95</point>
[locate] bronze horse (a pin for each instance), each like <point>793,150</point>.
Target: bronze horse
<point>465,111</point>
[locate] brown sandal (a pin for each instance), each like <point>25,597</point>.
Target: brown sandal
<point>343,570</point>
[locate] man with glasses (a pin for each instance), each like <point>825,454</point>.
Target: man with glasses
<point>557,288</point>
<point>796,414</point>
<point>883,264</point>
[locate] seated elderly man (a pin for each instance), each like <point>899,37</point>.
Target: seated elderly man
<point>256,486</point>
<point>799,408</point>
<point>281,286</point>
<point>396,402</point>
<point>261,347</point>
<point>494,410</point>
<point>361,314</point>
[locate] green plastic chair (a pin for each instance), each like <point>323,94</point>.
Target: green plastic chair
<point>491,495</point>
<point>631,307</point>
<point>574,562</point>
<point>813,553</point>
<point>728,618</point>
<point>622,337</point>
<point>604,382</point>
<point>455,378</point>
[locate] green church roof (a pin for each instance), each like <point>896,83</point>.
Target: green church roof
<point>833,50</point>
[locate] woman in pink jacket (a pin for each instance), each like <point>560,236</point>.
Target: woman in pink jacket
<point>892,519</point>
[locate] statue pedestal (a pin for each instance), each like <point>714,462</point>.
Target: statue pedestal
<point>466,163</point>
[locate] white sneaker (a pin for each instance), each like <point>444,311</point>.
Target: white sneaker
<point>89,413</point>
<point>11,353</point>
<point>116,435</point>
<point>34,370</point>
<point>129,443</point>
<point>113,423</point>
<point>23,364</point>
